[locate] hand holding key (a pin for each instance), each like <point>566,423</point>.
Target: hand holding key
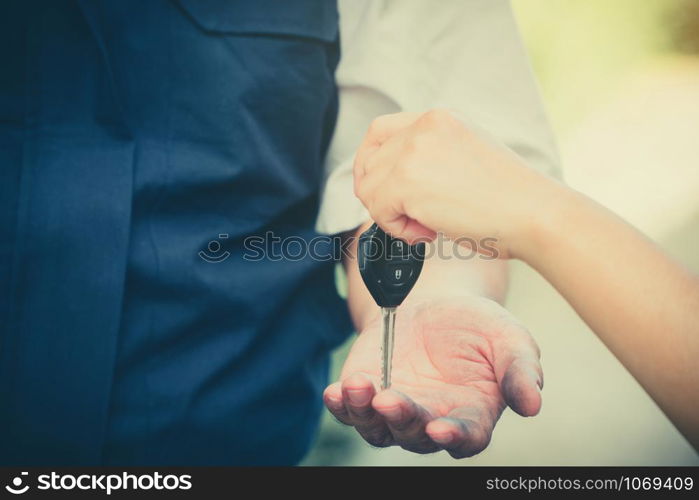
<point>422,173</point>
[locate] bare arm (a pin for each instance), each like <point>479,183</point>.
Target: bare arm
<point>642,304</point>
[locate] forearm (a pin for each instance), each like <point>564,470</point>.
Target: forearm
<point>642,305</point>
<point>443,275</point>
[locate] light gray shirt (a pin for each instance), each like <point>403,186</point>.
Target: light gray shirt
<point>413,55</point>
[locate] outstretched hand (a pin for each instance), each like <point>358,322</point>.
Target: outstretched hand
<point>456,365</point>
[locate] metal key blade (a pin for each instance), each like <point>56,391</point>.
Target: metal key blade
<point>389,323</point>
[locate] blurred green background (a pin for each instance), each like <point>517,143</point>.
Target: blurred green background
<point>620,79</point>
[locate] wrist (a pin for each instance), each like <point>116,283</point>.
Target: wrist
<point>548,221</point>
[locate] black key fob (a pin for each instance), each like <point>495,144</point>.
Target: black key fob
<point>389,266</point>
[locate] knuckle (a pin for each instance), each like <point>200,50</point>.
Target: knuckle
<point>477,440</point>
<point>340,415</point>
<point>361,191</point>
<point>413,204</point>
<point>374,127</point>
<point>342,419</point>
<point>416,143</point>
<point>372,206</point>
<point>361,412</point>
<point>529,343</point>
<point>371,164</point>
<point>357,169</point>
<point>377,439</point>
<point>521,335</point>
<point>409,168</point>
<point>357,186</point>
<point>377,125</point>
<point>436,117</point>
<point>405,425</point>
<point>409,148</point>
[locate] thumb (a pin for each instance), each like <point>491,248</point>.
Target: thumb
<point>407,229</point>
<point>521,386</point>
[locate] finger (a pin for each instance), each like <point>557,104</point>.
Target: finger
<point>357,392</point>
<point>521,386</point>
<point>406,421</point>
<point>380,130</point>
<point>383,194</point>
<point>359,169</point>
<point>385,126</point>
<point>407,229</point>
<point>332,397</point>
<point>376,163</point>
<point>388,212</point>
<point>518,370</point>
<point>464,432</point>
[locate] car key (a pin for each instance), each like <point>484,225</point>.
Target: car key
<point>389,267</point>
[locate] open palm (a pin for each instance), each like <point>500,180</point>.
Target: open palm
<point>456,365</point>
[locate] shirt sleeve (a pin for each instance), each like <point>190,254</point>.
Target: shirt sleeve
<point>413,55</point>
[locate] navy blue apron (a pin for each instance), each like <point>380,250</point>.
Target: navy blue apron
<point>133,134</point>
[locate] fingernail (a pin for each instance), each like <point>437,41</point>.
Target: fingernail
<point>358,397</point>
<point>442,439</point>
<point>392,412</point>
<point>330,400</point>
